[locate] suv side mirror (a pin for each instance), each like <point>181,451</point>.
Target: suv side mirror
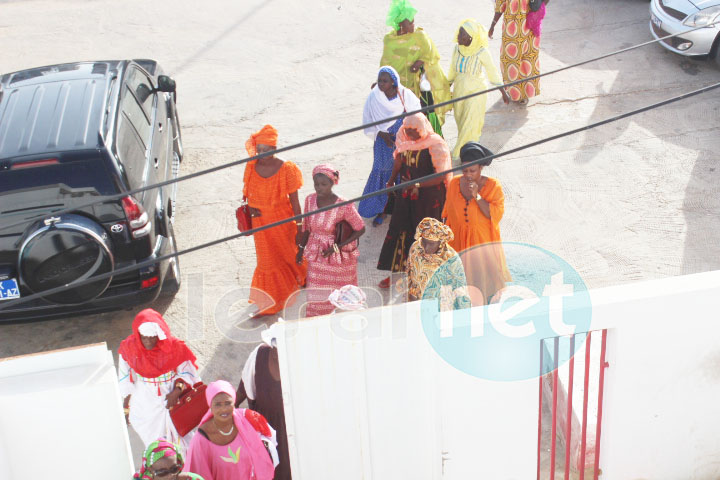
<point>166,84</point>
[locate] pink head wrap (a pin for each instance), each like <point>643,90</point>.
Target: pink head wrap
<point>262,464</point>
<point>439,150</point>
<point>327,170</point>
<point>213,389</point>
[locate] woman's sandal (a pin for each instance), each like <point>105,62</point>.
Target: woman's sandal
<point>385,283</point>
<point>378,220</point>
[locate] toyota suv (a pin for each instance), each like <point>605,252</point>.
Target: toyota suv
<point>71,135</point>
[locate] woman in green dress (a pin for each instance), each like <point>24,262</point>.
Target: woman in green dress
<point>411,52</point>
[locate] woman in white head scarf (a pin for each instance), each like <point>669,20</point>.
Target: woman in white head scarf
<point>388,98</point>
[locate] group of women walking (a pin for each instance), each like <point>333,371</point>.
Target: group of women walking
<point>312,253</point>
<point>443,232</point>
<point>230,443</point>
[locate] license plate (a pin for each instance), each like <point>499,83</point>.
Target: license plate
<point>9,289</point>
<point>656,21</point>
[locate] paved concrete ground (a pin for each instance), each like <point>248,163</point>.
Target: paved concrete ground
<point>634,200</point>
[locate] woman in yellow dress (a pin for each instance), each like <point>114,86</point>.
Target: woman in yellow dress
<point>471,62</point>
<point>520,51</point>
<point>411,52</point>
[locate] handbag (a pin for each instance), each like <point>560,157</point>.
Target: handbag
<point>189,409</point>
<point>535,5</point>
<point>244,219</point>
<point>343,230</point>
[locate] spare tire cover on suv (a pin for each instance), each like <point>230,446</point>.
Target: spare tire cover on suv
<point>62,250</point>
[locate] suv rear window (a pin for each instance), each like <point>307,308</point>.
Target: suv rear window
<point>85,170</point>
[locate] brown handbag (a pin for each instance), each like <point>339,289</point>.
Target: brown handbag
<point>189,409</point>
<point>343,231</point>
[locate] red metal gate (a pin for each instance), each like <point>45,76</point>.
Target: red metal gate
<point>587,454</point>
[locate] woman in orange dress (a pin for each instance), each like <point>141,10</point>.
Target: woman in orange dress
<point>271,188</point>
<point>473,209</point>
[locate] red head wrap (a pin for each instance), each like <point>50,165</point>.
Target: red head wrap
<point>167,354</point>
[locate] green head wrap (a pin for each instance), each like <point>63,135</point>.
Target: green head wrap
<point>400,10</point>
<point>154,452</point>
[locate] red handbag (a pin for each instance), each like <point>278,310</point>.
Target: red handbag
<point>244,218</point>
<point>189,409</point>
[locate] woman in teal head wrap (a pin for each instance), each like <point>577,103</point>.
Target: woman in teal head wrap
<point>162,459</point>
<point>411,52</point>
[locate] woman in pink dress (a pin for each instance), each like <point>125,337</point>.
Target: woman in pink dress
<point>231,443</point>
<point>330,265</point>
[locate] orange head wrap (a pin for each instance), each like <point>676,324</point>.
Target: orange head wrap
<point>265,136</point>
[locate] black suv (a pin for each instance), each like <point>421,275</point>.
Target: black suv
<point>71,134</point>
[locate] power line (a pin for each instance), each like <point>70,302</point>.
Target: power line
<point>329,136</point>
<point>384,191</point>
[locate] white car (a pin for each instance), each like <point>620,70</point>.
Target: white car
<point>668,17</point>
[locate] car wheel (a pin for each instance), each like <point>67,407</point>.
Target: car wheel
<point>62,250</point>
<point>171,284</point>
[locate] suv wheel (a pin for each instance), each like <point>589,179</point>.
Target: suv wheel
<point>62,250</point>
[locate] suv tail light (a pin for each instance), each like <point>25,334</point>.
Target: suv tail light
<point>137,217</point>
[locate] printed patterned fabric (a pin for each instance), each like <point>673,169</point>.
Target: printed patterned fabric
<point>520,52</point>
<point>339,269</point>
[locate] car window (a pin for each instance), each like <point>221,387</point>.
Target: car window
<point>132,111</point>
<point>141,87</point>
<point>131,151</point>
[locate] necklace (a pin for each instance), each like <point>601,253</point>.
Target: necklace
<point>232,428</point>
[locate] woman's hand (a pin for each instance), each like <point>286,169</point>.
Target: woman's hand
<point>172,397</point>
<point>491,31</point>
<point>255,212</point>
<point>387,138</point>
<point>299,256</point>
<point>328,251</point>
<point>473,189</point>
<point>417,65</point>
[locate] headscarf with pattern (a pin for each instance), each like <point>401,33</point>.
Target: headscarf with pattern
<point>267,135</point>
<point>158,449</point>
<point>422,266</point>
<point>327,170</point>
<point>433,230</point>
<point>400,10</point>
<point>477,32</point>
<point>436,145</point>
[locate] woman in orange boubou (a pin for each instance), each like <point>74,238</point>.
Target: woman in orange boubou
<point>271,187</point>
<point>473,209</point>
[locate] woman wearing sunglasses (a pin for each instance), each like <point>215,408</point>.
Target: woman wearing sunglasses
<point>162,460</point>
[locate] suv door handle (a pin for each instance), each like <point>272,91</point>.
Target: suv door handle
<point>156,162</point>
<point>160,127</point>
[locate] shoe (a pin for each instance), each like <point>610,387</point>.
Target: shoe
<point>385,283</point>
<point>378,220</point>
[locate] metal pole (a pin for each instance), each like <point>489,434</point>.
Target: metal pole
<point>568,426</point>
<point>554,408</point>
<point>583,442</point>
<point>603,366</point>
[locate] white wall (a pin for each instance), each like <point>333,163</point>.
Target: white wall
<point>384,405</point>
<point>661,412</point>
<point>62,417</point>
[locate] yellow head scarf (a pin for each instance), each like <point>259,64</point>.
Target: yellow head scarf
<point>477,32</point>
